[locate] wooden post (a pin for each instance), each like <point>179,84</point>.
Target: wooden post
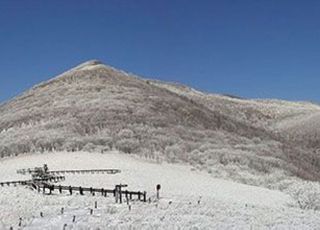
<point>70,190</point>
<point>158,191</point>
<point>127,197</point>
<point>81,191</point>
<point>74,219</point>
<point>139,196</point>
<point>120,194</point>
<point>51,188</point>
<point>115,193</point>
<point>144,196</point>
<point>62,210</point>
<point>95,204</point>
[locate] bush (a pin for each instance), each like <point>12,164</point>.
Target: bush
<point>173,153</point>
<point>127,145</point>
<point>306,193</point>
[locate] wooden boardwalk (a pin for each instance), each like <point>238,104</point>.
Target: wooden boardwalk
<point>27,182</point>
<point>93,171</point>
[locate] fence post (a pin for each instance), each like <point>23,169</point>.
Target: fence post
<point>144,196</point>
<point>158,191</point>
<point>51,187</point>
<point>120,193</point>
<point>127,197</point>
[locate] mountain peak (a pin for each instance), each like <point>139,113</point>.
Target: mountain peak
<point>89,65</point>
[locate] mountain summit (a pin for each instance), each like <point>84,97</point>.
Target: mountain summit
<point>94,107</point>
<point>89,64</point>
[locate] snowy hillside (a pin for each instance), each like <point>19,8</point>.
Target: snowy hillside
<point>189,199</point>
<point>95,107</point>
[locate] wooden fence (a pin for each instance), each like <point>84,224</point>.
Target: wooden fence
<point>117,192</point>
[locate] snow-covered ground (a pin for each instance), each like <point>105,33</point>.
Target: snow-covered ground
<point>189,199</point>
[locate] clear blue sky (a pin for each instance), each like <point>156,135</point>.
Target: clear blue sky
<point>249,48</point>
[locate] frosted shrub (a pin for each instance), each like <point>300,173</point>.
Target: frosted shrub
<point>173,153</point>
<point>194,156</point>
<point>125,133</point>
<point>158,156</point>
<point>73,145</point>
<point>259,165</point>
<point>90,147</point>
<point>307,194</point>
<point>127,145</point>
<point>198,158</point>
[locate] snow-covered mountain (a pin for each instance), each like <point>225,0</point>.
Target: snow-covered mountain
<point>95,107</point>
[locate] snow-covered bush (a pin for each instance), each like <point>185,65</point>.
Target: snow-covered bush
<point>89,147</point>
<point>127,145</point>
<point>125,134</point>
<point>306,193</point>
<point>173,153</point>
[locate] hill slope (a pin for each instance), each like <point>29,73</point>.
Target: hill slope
<point>95,107</point>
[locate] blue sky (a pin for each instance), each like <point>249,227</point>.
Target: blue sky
<point>248,48</point>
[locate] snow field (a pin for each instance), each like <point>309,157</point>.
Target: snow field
<point>190,200</point>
